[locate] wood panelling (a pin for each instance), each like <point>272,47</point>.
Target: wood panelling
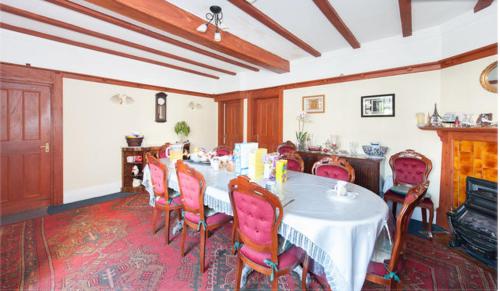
<point>170,18</point>
<point>481,4</point>
<point>269,22</point>
<point>334,18</point>
<point>102,49</point>
<point>105,80</point>
<point>144,31</point>
<point>405,15</point>
<point>55,22</point>
<point>449,136</point>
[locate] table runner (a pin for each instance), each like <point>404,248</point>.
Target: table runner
<point>339,234</point>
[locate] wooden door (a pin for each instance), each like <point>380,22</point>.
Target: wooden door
<point>232,122</point>
<point>25,141</point>
<point>265,123</point>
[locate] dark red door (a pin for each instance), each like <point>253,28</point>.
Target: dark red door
<point>265,123</point>
<point>233,123</point>
<point>25,140</point>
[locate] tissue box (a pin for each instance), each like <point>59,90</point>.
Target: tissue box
<point>241,156</point>
<point>281,171</point>
<point>256,163</point>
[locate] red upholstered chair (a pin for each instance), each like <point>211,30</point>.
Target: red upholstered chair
<point>222,150</point>
<point>286,147</point>
<point>386,273</point>
<point>334,167</point>
<point>295,161</point>
<point>162,200</point>
<point>192,187</point>
<point>257,216</point>
<point>162,152</point>
<point>410,168</point>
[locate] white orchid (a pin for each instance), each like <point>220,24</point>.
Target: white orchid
<point>301,135</point>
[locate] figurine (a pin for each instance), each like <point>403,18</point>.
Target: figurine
<point>435,118</point>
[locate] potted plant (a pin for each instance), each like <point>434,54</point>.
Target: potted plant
<point>182,130</point>
<point>301,134</point>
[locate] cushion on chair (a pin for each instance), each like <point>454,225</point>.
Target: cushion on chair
<point>334,172</point>
<point>409,171</point>
<point>217,218</point>
<point>288,259</point>
<point>400,189</point>
<point>293,165</point>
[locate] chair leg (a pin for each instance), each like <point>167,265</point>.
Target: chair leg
<point>167,226</point>
<point>274,284</point>
<point>239,269</point>
<point>305,270</point>
<point>431,219</point>
<point>203,239</point>
<point>394,208</point>
<point>183,239</point>
<point>424,217</point>
<point>153,221</point>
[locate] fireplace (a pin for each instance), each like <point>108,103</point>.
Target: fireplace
<point>474,223</point>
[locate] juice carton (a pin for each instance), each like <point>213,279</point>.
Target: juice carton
<point>281,172</point>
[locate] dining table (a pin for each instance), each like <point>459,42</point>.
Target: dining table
<point>337,232</point>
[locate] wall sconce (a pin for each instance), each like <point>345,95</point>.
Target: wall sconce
<point>161,107</point>
<point>194,106</point>
<point>121,99</point>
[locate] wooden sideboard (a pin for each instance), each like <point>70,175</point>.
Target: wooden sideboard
<point>367,170</point>
<point>134,156</point>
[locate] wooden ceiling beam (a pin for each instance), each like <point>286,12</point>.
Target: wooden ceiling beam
<point>172,19</point>
<point>334,18</point>
<point>405,14</point>
<point>481,4</point>
<point>61,24</point>
<point>101,49</point>
<point>130,26</point>
<point>270,23</point>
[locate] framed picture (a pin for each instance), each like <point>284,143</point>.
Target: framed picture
<point>313,104</point>
<point>378,105</point>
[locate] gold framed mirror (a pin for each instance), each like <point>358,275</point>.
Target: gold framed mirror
<point>489,78</point>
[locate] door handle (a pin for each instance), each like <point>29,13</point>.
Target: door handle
<point>46,147</point>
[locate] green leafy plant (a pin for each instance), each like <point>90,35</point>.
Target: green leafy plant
<point>182,129</point>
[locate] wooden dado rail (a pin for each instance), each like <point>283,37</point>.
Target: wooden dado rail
<point>465,152</point>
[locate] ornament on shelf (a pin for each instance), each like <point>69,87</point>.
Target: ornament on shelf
<point>435,118</point>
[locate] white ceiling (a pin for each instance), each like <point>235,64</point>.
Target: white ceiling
<point>369,20</point>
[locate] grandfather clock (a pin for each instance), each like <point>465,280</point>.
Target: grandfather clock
<point>161,107</point>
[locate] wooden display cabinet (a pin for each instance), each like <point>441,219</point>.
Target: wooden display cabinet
<point>134,156</point>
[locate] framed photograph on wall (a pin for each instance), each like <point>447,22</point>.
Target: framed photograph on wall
<point>378,105</point>
<point>313,104</point>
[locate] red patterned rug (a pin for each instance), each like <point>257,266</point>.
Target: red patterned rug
<point>110,246</point>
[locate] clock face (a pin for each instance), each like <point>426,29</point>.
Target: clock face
<point>161,101</point>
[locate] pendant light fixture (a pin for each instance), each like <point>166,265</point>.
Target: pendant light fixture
<point>214,16</point>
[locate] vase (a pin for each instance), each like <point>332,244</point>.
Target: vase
<point>301,145</point>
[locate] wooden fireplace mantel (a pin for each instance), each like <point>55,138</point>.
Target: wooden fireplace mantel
<point>448,137</point>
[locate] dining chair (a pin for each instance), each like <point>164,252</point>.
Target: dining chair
<point>258,214</point>
<point>334,167</point>
<point>295,161</point>
<point>410,168</point>
<point>222,150</point>
<point>387,273</point>
<point>162,152</point>
<point>192,186</point>
<point>163,201</point>
<point>286,147</point>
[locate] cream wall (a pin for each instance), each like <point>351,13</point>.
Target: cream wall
<point>95,129</point>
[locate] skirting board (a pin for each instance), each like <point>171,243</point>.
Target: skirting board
<point>91,192</point>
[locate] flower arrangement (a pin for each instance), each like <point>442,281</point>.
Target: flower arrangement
<point>301,135</point>
<point>182,129</point>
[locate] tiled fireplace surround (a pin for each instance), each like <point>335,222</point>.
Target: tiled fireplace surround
<point>465,152</point>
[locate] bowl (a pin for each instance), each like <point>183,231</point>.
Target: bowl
<point>375,151</point>
<point>134,141</point>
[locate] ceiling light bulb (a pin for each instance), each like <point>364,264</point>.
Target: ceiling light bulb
<point>202,28</point>
<point>217,36</point>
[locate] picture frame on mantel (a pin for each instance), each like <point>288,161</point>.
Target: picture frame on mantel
<point>383,105</point>
<point>313,104</point>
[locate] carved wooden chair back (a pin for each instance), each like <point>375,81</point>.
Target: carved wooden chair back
<point>409,168</point>
<point>295,161</point>
<point>158,176</point>
<point>162,152</point>
<point>334,167</point>
<point>286,147</point>
<point>192,187</point>
<point>222,150</point>
<point>250,201</point>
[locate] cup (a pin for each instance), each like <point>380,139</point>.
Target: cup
<point>215,163</point>
<point>420,119</point>
<point>340,188</point>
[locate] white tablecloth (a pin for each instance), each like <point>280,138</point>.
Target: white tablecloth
<point>338,234</point>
